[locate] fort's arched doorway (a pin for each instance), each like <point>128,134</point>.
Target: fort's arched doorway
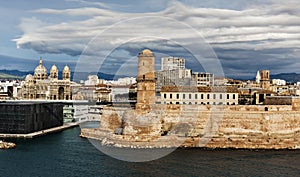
<point>61,93</point>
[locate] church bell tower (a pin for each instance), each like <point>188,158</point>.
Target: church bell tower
<point>265,79</point>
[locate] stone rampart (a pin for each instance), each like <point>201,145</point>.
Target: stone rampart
<point>264,126</point>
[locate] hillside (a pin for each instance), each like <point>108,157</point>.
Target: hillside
<point>289,77</point>
<point>16,74</point>
<point>12,74</point>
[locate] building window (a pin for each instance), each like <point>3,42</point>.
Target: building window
<point>183,96</point>
<point>202,96</point>
<point>177,96</point>
<point>208,103</point>
<point>233,96</point>
<point>214,95</point>
<point>208,96</point>
<point>221,96</point>
<point>196,96</point>
<point>228,96</point>
<point>177,102</point>
<point>190,96</point>
<point>165,96</point>
<point>170,95</point>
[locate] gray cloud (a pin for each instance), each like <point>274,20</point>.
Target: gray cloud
<point>11,63</point>
<point>245,39</point>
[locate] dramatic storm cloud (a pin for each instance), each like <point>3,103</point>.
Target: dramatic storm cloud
<point>246,38</point>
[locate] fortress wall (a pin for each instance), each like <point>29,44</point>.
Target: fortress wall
<point>246,129</point>
<point>173,107</point>
<point>278,100</point>
<point>224,127</point>
<point>269,130</point>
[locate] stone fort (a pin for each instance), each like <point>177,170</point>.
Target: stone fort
<point>151,125</point>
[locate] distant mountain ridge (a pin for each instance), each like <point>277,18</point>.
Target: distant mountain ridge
<point>12,74</point>
<point>289,77</point>
<point>16,74</point>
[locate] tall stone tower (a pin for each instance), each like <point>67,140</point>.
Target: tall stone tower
<point>66,92</point>
<point>146,79</point>
<point>265,79</point>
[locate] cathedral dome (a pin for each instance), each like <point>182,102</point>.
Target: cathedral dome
<point>53,72</point>
<point>53,68</point>
<point>40,71</point>
<point>29,77</point>
<point>66,68</point>
<point>66,72</point>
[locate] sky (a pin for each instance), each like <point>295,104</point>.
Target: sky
<point>234,37</point>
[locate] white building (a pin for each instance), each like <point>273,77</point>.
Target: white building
<point>278,82</point>
<point>75,113</point>
<point>203,79</point>
<point>92,80</point>
<point>220,81</point>
<point>170,63</point>
<point>178,77</point>
<point>173,72</point>
<point>297,92</point>
<point>122,81</point>
<point>199,95</point>
<point>9,89</point>
<point>120,93</point>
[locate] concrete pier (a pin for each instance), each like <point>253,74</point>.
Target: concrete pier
<point>39,133</point>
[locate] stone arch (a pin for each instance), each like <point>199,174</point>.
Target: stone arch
<point>61,91</point>
<point>266,109</point>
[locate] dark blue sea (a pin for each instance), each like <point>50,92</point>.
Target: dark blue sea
<point>66,154</point>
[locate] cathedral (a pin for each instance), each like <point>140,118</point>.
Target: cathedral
<point>42,86</point>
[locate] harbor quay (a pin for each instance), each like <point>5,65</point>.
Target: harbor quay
<point>34,118</point>
<point>39,133</point>
<point>28,117</point>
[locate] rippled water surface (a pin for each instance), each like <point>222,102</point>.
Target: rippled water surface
<point>66,154</point>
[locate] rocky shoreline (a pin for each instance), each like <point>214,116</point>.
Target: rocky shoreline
<point>112,140</point>
<point>7,145</point>
<point>119,141</point>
